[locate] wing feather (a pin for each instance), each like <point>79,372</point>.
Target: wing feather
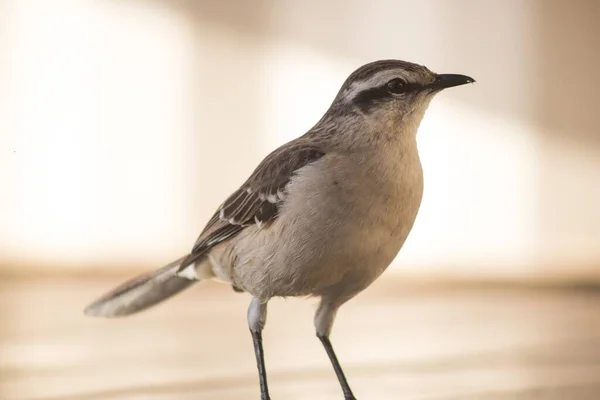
<point>258,200</point>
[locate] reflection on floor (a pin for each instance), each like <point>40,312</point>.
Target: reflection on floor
<point>395,343</point>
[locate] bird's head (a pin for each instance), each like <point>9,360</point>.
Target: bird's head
<point>393,90</point>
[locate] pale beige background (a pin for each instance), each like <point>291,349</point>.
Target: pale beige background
<point>125,123</point>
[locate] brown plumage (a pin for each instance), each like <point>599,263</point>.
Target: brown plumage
<point>323,215</point>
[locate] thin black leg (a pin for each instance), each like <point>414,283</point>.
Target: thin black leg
<point>260,364</point>
<point>337,368</point>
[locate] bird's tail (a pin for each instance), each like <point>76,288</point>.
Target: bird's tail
<point>141,292</point>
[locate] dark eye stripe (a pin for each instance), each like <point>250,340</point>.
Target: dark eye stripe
<point>412,87</point>
<point>369,98</point>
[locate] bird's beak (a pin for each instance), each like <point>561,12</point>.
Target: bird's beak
<point>445,81</point>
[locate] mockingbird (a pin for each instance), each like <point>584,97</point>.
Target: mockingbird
<point>323,215</point>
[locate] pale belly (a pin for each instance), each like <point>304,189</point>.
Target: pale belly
<point>333,238</point>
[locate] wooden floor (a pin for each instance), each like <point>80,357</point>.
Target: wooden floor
<point>395,342</point>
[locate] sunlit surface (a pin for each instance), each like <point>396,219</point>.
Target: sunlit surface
<point>395,341</point>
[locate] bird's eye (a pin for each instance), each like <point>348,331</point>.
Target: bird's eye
<point>396,85</point>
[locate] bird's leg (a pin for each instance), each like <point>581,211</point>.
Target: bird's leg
<point>337,367</point>
<point>324,318</point>
<point>257,317</point>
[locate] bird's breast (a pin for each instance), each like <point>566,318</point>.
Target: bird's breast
<point>347,218</point>
<point>343,221</point>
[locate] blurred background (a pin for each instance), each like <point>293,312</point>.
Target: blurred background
<point>124,124</point>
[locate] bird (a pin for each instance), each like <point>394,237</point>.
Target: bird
<point>321,216</point>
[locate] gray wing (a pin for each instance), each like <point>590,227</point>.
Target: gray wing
<point>258,200</point>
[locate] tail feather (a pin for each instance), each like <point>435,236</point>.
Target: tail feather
<point>140,292</point>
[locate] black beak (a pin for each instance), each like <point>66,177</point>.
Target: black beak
<point>445,81</point>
